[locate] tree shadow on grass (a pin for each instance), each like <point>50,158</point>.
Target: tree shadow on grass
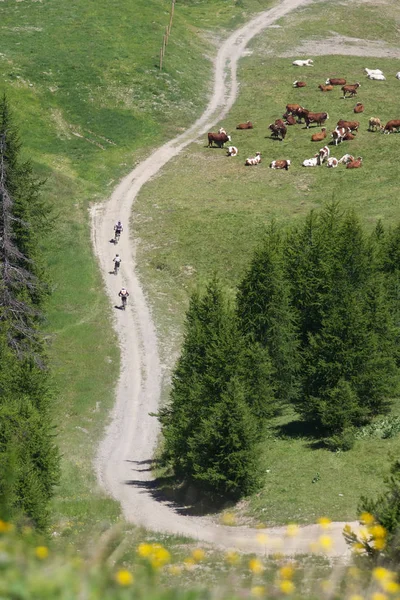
<point>184,498</point>
<point>300,430</point>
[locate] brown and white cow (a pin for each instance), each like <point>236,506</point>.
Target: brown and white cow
<point>352,125</point>
<point>374,124</point>
<point>318,118</point>
<point>335,81</point>
<point>338,134</point>
<point>355,164</point>
<point>332,162</point>
<point>219,139</point>
<point>350,90</point>
<point>253,160</point>
<point>325,88</point>
<point>299,84</point>
<point>346,158</point>
<point>323,154</point>
<point>391,126</point>
<point>278,129</point>
<point>280,164</point>
<point>292,108</point>
<point>247,125</point>
<point>232,151</point>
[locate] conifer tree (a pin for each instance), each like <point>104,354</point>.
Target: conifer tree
<point>266,316</point>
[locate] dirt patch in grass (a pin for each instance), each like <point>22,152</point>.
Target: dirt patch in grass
<point>340,44</point>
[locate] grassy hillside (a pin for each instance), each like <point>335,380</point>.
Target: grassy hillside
<point>90,102</point>
<point>214,223</point>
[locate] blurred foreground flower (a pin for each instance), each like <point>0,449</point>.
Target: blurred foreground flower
<point>292,529</point>
<point>287,587</point>
<point>324,522</point>
<point>232,557</point>
<point>198,554</point>
<point>124,577</point>
<point>256,566</point>
<point>258,591</point>
<point>41,552</point>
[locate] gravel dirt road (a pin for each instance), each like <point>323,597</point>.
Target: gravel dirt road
<point>124,457</point>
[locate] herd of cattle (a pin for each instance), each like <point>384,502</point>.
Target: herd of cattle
<point>345,130</point>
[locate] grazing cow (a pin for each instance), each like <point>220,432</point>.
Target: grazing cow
<point>352,125</point>
<point>298,84</point>
<point>219,139</point>
<point>280,164</point>
<point>333,81</point>
<point>323,154</point>
<point>332,162</point>
<point>301,113</point>
<point>390,126</point>
<point>325,88</point>
<point>247,125</point>
<point>359,108</point>
<point>278,129</point>
<point>311,162</point>
<point>351,90</point>
<point>291,109</point>
<point>232,151</point>
<point>303,63</point>
<point>346,158</point>
<point>289,119</point>
<point>318,137</point>
<point>348,137</point>
<point>376,77</point>
<point>374,124</point>
<point>369,71</point>
<point>254,160</point>
<point>398,75</point>
<point>318,118</point>
<point>338,134</point>
<point>355,164</point>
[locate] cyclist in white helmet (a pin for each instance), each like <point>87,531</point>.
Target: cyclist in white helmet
<point>117,262</point>
<point>123,294</point>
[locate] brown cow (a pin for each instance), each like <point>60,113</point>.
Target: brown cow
<point>278,129</point>
<point>325,88</point>
<point>333,81</point>
<point>289,119</point>
<point>351,90</point>
<point>318,118</point>
<point>348,137</point>
<point>219,139</point>
<point>390,126</point>
<point>292,108</point>
<point>299,84</point>
<point>359,108</point>
<point>301,113</point>
<point>247,125</point>
<point>318,137</point>
<point>352,125</point>
<point>355,164</point>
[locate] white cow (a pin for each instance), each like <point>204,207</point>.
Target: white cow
<point>254,160</point>
<point>332,162</point>
<point>372,71</point>
<point>232,151</point>
<point>303,63</point>
<point>311,162</point>
<point>346,158</point>
<point>376,76</point>
<point>398,75</point>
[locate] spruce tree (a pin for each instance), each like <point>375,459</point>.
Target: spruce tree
<point>266,316</point>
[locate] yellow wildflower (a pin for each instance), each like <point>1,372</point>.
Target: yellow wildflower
<point>6,527</point>
<point>379,596</point>
<point>144,550</point>
<point>198,554</point>
<point>382,574</point>
<point>228,519</point>
<point>256,566</point>
<point>189,563</point>
<point>159,557</point>
<point>286,572</point>
<point>258,591</point>
<point>287,587</point>
<point>292,530</point>
<point>357,548</point>
<point>379,544</point>
<point>367,518</point>
<point>392,587</point>
<point>378,531</point>
<point>324,522</point>
<point>325,541</point>
<point>124,577</point>
<point>262,538</point>
<point>41,552</point>
<point>175,570</point>
<point>232,557</point>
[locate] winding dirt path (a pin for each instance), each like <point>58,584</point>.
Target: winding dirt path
<point>124,458</point>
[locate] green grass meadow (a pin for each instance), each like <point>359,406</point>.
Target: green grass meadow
<point>206,213</point>
<point>83,81</point>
